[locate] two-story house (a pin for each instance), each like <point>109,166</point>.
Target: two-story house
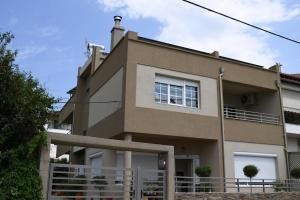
<point>214,110</point>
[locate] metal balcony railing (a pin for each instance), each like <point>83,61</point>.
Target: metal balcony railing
<point>233,113</point>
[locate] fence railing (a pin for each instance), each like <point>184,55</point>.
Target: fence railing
<point>84,182</point>
<point>154,184</point>
<point>233,113</point>
<point>68,181</point>
<point>218,184</point>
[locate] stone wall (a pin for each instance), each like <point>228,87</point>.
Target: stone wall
<point>238,196</point>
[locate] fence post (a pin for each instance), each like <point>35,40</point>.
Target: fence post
<point>263,182</point>
<point>44,166</point>
<point>238,184</point>
<point>50,180</point>
<point>139,184</point>
<point>170,182</point>
<point>164,185</point>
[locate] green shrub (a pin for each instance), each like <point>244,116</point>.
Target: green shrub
<point>295,172</point>
<point>203,171</point>
<point>250,171</point>
<point>20,181</point>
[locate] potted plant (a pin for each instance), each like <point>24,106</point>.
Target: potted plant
<point>250,171</point>
<point>204,171</point>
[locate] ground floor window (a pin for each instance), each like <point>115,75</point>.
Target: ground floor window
<point>266,163</point>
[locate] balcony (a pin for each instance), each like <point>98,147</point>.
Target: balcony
<point>231,112</point>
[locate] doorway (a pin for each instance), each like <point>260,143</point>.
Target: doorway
<point>184,170</point>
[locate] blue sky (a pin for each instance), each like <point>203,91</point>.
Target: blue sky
<point>50,35</point>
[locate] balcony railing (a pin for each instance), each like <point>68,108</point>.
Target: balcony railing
<point>233,113</point>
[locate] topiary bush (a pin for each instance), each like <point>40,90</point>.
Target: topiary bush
<point>250,171</point>
<point>295,173</point>
<point>203,171</point>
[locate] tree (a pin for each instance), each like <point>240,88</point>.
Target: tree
<point>24,108</point>
<point>204,171</point>
<point>250,171</point>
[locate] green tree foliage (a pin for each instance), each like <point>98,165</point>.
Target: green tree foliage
<point>24,108</point>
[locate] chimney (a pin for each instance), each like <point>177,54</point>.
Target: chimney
<point>117,32</point>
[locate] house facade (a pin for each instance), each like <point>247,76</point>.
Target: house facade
<point>291,105</point>
<point>214,110</point>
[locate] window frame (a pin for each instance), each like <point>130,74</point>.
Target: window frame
<point>170,81</point>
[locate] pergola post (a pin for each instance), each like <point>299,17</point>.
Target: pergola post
<point>170,176</point>
<point>44,166</point>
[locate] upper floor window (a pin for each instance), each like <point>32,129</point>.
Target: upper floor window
<point>176,92</point>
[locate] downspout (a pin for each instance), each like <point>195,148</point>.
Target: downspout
<point>278,84</point>
<point>221,74</point>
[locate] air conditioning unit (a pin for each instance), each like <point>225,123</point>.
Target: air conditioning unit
<point>248,99</point>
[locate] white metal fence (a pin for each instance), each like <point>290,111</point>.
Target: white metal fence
<point>233,113</point>
<point>84,182</point>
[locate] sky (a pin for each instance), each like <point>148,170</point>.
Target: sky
<point>50,36</point>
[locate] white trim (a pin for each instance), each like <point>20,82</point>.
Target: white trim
<point>255,154</point>
<point>98,154</point>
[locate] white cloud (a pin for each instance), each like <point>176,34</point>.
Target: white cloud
<point>190,26</point>
<point>30,51</point>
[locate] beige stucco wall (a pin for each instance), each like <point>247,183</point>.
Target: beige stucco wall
<point>145,84</point>
<point>246,131</point>
<point>231,147</point>
<point>110,91</point>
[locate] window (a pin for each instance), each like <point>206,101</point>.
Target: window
<point>266,163</point>
<point>191,96</point>
<point>161,93</point>
<point>176,92</point>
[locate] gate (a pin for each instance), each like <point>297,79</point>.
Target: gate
<point>107,183</point>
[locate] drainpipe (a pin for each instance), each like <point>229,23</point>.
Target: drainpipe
<point>221,74</point>
<point>278,84</point>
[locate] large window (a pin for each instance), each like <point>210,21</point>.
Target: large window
<point>176,92</point>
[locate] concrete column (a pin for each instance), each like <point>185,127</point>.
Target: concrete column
<point>127,166</point>
<point>170,182</point>
<point>44,166</point>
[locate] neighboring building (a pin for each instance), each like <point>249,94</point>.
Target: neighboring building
<point>291,105</point>
<point>54,126</point>
<point>214,110</point>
